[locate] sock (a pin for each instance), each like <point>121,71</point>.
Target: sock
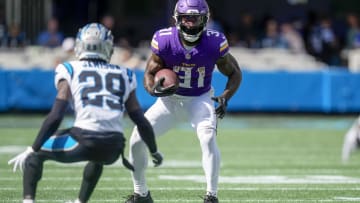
<point>214,194</point>
<point>28,201</point>
<point>77,201</point>
<point>144,194</point>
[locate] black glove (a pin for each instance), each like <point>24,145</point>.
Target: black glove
<point>221,108</point>
<point>159,91</point>
<point>157,158</point>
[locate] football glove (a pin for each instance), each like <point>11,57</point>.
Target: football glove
<point>157,158</point>
<point>220,110</point>
<point>19,160</point>
<point>159,91</point>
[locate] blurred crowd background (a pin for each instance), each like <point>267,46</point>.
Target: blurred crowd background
<point>263,34</point>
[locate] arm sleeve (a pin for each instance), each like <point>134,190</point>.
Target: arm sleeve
<point>145,129</point>
<point>51,123</point>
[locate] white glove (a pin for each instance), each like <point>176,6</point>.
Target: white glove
<point>20,159</point>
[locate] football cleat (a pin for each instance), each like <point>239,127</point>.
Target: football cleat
<point>351,141</point>
<point>210,199</point>
<point>136,198</point>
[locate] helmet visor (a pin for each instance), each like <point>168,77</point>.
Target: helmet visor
<point>191,20</point>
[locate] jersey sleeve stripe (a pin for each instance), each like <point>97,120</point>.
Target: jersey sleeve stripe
<point>69,68</point>
<point>224,45</point>
<point>129,74</point>
<point>155,44</point>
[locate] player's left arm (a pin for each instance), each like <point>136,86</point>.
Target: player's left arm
<point>144,127</point>
<point>229,67</point>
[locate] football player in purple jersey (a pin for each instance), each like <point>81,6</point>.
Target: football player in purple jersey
<point>192,51</point>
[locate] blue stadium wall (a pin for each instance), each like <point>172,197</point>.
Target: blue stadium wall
<point>328,91</point>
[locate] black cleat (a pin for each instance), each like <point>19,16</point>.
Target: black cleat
<point>210,199</point>
<point>136,198</point>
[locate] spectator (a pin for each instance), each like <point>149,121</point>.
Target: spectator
<point>67,52</point>
<point>247,31</point>
<point>52,37</point>
<point>15,37</point>
<point>272,38</point>
<point>323,43</point>
<point>293,38</point>
<point>353,33</point>
<point>215,25</point>
<point>3,27</point>
<point>109,22</point>
<point>126,57</point>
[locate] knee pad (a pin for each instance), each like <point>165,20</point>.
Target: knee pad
<point>206,134</point>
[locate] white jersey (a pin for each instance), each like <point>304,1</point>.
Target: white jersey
<point>99,91</point>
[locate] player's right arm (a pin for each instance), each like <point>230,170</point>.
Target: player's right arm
<point>56,115</point>
<point>153,65</point>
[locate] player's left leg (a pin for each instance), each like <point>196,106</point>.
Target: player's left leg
<point>161,117</point>
<point>91,175</point>
<point>351,140</point>
<point>203,119</point>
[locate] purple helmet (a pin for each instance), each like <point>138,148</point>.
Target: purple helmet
<point>191,17</point>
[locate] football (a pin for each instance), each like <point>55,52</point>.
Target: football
<point>170,77</point>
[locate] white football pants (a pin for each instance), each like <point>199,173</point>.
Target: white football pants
<point>164,114</point>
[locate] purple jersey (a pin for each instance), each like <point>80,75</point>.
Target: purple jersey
<point>193,66</point>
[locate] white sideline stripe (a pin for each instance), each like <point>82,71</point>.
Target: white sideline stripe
<point>275,179</point>
<point>306,179</point>
<point>347,198</point>
<point>201,189</point>
<point>197,200</point>
<point>12,149</point>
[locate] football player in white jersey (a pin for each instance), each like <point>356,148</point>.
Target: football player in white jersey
<point>99,92</point>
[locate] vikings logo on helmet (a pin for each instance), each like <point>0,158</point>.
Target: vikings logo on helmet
<point>191,17</point>
<point>94,41</point>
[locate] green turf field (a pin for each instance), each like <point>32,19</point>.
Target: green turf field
<point>264,159</point>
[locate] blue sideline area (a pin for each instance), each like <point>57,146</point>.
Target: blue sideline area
<point>327,91</point>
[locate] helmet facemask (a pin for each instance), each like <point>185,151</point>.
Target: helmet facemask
<point>191,26</point>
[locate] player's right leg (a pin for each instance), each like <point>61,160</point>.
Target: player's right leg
<point>62,148</point>
<point>34,163</point>
<point>351,140</point>
<point>32,174</point>
<point>162,119</point>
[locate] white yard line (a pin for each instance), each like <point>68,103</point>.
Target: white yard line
<point>201,189</point>
<point>273,179</point>
<point>222,200</point>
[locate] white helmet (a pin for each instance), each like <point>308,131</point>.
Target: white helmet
<point>94,41</point>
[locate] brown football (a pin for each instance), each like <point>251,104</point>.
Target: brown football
<point>170,77</point>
